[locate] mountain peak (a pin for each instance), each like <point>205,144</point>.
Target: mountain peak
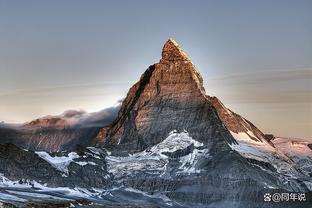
<point>173,52</point>
<point>169,96</point>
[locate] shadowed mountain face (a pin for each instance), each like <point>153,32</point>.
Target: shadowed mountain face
<point>57,133</point>
<point>51,139</point>
<point>170,145</point>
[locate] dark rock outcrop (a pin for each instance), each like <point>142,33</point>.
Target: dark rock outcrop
<point>17,164</point>
<point>25,166</point>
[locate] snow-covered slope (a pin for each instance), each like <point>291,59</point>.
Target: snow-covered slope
<point>24,192</point>
<point>177,147</point>
<point>60,162</point>
<point>294,147</point>
<point>177,156</point>
<point>298,151</point>
<point>263,151</point>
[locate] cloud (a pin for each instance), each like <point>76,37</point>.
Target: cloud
<point>80,118</point>
<point>101,118</point>
<point>73,113</point>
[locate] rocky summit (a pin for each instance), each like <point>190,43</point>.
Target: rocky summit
<point>169,96</point>
<point>169,145</point>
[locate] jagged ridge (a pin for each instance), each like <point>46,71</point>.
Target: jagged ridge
<point>170,95</point>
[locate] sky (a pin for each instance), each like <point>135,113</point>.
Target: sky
<point>255,56</point>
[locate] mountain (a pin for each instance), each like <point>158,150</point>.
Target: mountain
<point>18,166</point>
<point>58,133</point>
<point>169,145</point>
<point>169,96</point>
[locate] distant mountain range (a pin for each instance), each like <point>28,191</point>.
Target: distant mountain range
<point>167,145</point>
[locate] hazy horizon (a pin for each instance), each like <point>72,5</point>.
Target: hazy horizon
<point>256,57</point>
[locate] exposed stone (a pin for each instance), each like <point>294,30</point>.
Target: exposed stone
<point>169,95</point>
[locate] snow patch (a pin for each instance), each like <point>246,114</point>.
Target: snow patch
<point>262,151</point>
<point>5,182</point>
<point>174,142</point>
<point>154,160</point>
<point>189,162</point>
<point>8,197</point>
<point>86,163</point>
<point>250,151</point>
<point>37,195</point>
<point>245,137</point>
<point>36,190</point>
<point>298,151</point>
<point>60,163</point>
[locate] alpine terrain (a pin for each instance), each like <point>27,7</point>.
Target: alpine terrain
<point>167,145</point>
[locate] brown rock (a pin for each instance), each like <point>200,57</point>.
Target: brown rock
<point>169,96</point>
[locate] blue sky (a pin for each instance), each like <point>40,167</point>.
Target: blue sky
<point>256,56</point>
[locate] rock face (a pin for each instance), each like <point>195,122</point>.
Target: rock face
<point>17,164</point>
<point>236,123</point>
<point>169,95</point>
<point>81,168</point>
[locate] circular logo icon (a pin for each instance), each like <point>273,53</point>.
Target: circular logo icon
<point>276,197</point>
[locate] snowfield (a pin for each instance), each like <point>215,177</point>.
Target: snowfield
<point>156,160</point>
<point>60,163</point>
<point>15,192</point>
<point>289,158</point>
<point>298,151</point>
